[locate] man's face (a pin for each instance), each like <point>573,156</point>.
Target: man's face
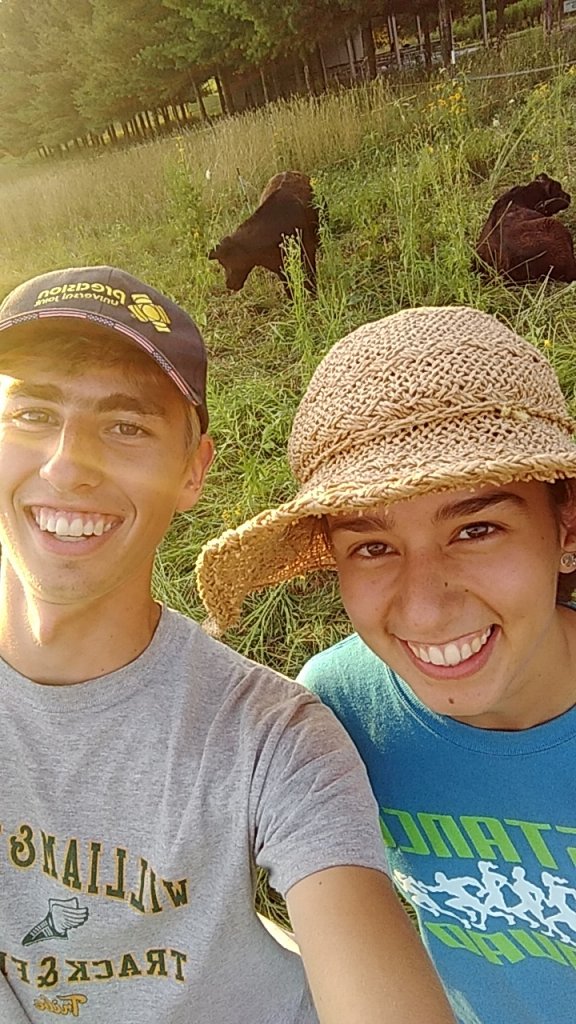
<point>456,592</point>
<point>92,469</point>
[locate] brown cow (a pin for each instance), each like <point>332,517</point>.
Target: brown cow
<point>286,209</point>
<point>522,241</point>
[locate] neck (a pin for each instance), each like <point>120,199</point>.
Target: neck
<point>58,644</point>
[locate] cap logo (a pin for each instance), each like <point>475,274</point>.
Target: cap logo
<point>149,312</point>
<point>82,290</point>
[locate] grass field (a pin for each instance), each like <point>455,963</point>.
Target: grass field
<point>408,174</point>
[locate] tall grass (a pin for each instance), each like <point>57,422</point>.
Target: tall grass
<point>408,170</point>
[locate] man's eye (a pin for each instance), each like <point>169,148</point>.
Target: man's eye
<point>129,430</point>
<point>33,417</point>
<point>475,531</point>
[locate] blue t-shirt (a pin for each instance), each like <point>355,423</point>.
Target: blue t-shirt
<point>480,827</point>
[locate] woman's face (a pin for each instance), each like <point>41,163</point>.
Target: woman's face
<point>457,593</point>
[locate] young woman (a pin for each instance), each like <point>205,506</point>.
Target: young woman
<point>435,460</point>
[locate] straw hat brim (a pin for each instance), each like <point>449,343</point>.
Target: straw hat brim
<point>281,543</point>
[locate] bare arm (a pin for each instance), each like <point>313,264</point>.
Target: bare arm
<point>364,960</point>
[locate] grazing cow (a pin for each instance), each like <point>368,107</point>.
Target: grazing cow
<point>286,209</point>
<point>522,241</point>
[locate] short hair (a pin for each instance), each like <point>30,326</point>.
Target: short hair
<point>72,346</point>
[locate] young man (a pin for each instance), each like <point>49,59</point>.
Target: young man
<point>146,768</point>
<point>436,464</point>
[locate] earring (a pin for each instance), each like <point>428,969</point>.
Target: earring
<point>568,561</point>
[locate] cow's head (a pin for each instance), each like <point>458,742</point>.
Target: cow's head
<point>553,197</point>
<point>232,256</point>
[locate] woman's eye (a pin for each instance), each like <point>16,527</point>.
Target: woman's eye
<point>475,531</point>
<point>372,549</point>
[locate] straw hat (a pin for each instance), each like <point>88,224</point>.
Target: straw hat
<point>429,399</point>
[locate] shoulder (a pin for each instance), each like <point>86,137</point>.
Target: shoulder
<point>229,685</point>
<point>344,664</point>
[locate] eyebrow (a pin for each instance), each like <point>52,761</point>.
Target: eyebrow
<point>453,510</point>
<point>471,506</point>
<point>362,524</point>
<point>110,403</point>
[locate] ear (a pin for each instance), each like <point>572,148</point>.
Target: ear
<point>542,177</point>
<point>567,528</point>
<point>213,254</point>
<point>196,470</point>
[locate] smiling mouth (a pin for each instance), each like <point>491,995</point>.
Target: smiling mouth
<point>71,526</point>
<point>453,653</point>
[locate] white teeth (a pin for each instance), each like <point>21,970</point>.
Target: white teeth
<point>436,656</point>
<point>67,526</point>
<point>450,654</point>
<point>61,527</point>
<point>75,528</point>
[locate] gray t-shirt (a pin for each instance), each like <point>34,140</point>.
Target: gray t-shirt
<point>134,809</point>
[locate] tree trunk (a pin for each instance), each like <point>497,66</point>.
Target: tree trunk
<point>220,92</point>
<point>427,38</point>
<point>548,12</point>
<point>322,66</point>
<point>308,79</point>
<point>484,24</point>
<point>264,86</point>
<point>369,49</point>
<point>393,33</point>
<point>351,58</point>
<point>300,84</point>
<point>420,35</point>
<point>200,101</point>
<point>445,33</point>
<point>224,92</point>
<point>500,8</point>
<point>278,91</point>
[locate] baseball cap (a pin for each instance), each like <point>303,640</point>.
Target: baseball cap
<point>116,301</point>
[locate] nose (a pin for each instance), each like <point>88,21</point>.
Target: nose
<point>73,462</point>
<point>429,597</point>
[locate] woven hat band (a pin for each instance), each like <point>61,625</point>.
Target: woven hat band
<point>383,435</point>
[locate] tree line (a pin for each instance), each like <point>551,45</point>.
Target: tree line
<point>80,73</point>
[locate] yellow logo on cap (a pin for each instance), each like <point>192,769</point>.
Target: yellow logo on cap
<point>149,312</point>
